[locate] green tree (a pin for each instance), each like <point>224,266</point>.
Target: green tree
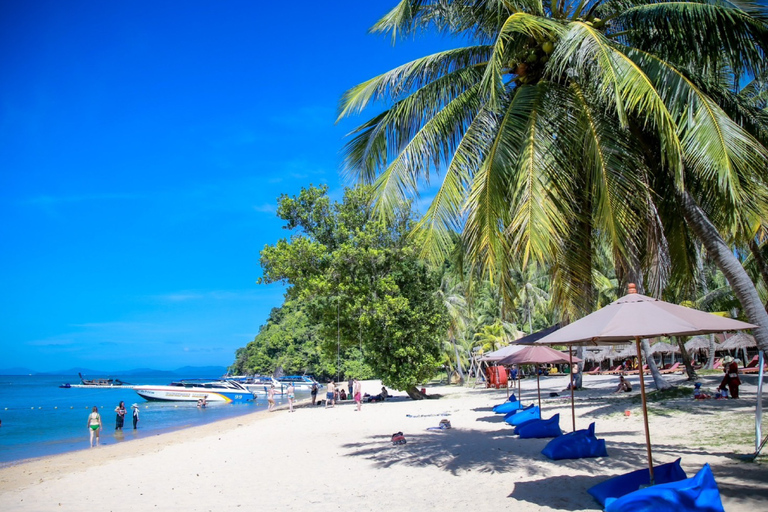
<point>566,125</point>
<point>361,282</point>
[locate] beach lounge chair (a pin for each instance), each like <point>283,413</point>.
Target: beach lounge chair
<point>593,371</point>
<point>718,364</point>
<point>614,371</point>
<point>753,369</point>
<point>672,369</point>
<point>637,372</point>
<point>752,363</point>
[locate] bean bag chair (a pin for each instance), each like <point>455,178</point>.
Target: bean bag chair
<point>521,409</point>
<point>537,429</point>
<point>528,414</point>
<point>621,485</point>
<point>507,407</point>
<point>576,445</point>
<point>696,494</point>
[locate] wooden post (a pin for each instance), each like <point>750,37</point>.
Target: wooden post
<point>538,387</point>
<point>570,372</point>
<point>645,411</point>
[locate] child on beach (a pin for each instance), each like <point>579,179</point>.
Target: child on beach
<point>94,425</point>
<point>291,396</point>
<point>135,409</point>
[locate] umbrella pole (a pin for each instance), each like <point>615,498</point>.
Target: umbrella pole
<point>645,411</point>
<point>538,387</point>
<point>570,372</point>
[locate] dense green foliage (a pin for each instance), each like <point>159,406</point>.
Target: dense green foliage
<point>364,295</point>
<point>568,131</point>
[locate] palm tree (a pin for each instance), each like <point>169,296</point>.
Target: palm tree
<point>565,125</point>
<point>451,293</point>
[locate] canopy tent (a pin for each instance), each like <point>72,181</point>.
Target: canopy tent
<point>498,355</point>
<point>538,355</point>
<point>637,316</point>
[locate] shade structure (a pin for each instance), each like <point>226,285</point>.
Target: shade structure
<point>664,348</point>
<point>737,341</point>
<point>536,336</point>
<point>635,317</point>
<point>699,343</point>
<point>500,354</point>
<point>538,354</point>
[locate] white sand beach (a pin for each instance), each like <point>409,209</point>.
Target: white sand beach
<point>340,459</point>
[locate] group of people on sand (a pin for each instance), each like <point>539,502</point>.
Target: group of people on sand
<point>94,424</point>
<point>290,394</point>
<point>334,393</point>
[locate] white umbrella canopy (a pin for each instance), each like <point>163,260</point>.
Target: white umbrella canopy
<point>638,316</point>
<point>635,317</point>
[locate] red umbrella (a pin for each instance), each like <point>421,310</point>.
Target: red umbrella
<point>539,355</point>
<point>636,316</point>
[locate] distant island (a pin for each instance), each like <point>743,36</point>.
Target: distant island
<point>184,371</point>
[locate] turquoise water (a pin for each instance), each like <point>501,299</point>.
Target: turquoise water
<point>39,418</point>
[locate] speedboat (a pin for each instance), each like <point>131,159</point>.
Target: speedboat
<point>192,390</point>
<point>261,383</point>
<point>100,382</point>
<point>299,381</point>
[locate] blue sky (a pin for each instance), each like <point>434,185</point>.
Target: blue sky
<point>142,147</point>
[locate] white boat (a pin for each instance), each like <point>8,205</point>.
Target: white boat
<point>192,390</point>
<point>303,382</point>
<point>260,384</point>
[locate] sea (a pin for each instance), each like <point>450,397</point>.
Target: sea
<point>39,418</point>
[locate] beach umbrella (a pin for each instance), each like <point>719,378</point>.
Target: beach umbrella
<point>500,354</point>
<point>699,343</point>
<point>738,341</point>
<point>636,317</point>
<point>538,355</point>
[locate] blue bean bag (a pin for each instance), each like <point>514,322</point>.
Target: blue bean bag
<point>512,413</point>
<point>530,413</point>
<point>696,494</point>
<point>536,429</point>
<point>576,445</point>
<point>621,485</point>
<point>507,407</point>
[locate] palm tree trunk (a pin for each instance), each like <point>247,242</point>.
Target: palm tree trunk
<point>729,265</point>
<point>711,354</point>
<point>458,362</point>
<point>760,261</point>
<point>658,378</point>
<point>686,358</point>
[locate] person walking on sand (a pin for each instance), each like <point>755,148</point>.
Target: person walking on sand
<point>120,419</point>
<point>94,425</point>
<point>357,389</point>
<point>291,396</point>
<point>135,412</point>
<point>731,379</point>
<point>271,398</point>
<point>330,393</point>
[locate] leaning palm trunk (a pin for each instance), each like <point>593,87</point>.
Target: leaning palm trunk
<point>658,379</point>
<point>734,272</point>
<point>711,354</point>
<point>686,358</point>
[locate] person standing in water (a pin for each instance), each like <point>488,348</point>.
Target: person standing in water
<point>271,398</point>
<point>120,419</point>
<point>291,396</point>
<point>135,412</point>
<point>94,425</point>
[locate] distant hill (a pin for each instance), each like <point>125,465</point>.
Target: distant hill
<point>17,370</point>
<point>201,371</point>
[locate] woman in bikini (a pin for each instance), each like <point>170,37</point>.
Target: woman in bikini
<point>271,398</point>
<point>94,425</point>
